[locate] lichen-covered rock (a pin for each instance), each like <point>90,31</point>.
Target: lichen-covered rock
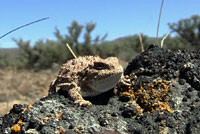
<point>161,96</point>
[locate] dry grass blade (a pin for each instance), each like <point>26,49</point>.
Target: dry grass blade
<point>159,21</point>
<point>141,43</point>
<point>162,41</point>
<point>23,26</point>
<point>71,50</point>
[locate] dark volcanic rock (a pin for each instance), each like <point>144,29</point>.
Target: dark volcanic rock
<point>114,114</point>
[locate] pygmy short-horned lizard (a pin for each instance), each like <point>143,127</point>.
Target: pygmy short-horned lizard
<point>87,76</point>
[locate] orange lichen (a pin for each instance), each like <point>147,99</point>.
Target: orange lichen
<point>140,110</point>
<point>58,116</point>
<point>16,129</point>
<point>128,94</point>
<point>149,96</point>
<point>20,122</point>
<point>162,106</point>
<point>27,108</point>
<point>155,97</point>
<point>115,91</point>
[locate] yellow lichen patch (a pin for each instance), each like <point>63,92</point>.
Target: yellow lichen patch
<point>115,91</point>
<point>57,117</point>
<point>154,97</point>
<point>140,110</point>
<point>149,96</point>
<point>162,106</point>
<point>16,129</point>
<point>20,122</point>
<point>132,97</point>
<point>27,108</point>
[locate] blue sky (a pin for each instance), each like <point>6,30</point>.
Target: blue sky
<point>118,18</point>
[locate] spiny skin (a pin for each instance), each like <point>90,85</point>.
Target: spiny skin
<point>87,76</point>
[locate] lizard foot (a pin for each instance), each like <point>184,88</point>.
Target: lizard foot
<point>83,103</point>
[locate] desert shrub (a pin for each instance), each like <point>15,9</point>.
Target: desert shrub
<point>188,31</point>
<point>43,54</point>
<point>3,61</point>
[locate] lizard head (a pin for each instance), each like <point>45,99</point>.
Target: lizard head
<point>103,74</point>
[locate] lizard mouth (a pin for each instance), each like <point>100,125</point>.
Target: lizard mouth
<point>106,83</point>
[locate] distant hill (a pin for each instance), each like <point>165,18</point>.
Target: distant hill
<point>9,51</point>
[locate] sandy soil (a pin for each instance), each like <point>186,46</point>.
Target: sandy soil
<point>23,87</point>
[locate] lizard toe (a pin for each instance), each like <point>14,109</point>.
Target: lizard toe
<point>83,103</point>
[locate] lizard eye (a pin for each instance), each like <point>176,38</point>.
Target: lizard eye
<point>100,66</point>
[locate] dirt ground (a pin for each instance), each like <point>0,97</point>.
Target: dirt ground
<point>23,87</point>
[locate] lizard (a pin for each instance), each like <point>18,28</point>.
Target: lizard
<point>87,76</point>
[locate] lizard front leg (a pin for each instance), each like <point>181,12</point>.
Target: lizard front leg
<point>74,93</point>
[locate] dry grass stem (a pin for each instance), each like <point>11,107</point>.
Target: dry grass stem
<point>159,21</point>
<point>162,41</point>
<point>141,43</point>
<point>71,50</point>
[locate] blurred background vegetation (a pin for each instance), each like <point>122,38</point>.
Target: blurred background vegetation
<point>185,34</point>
